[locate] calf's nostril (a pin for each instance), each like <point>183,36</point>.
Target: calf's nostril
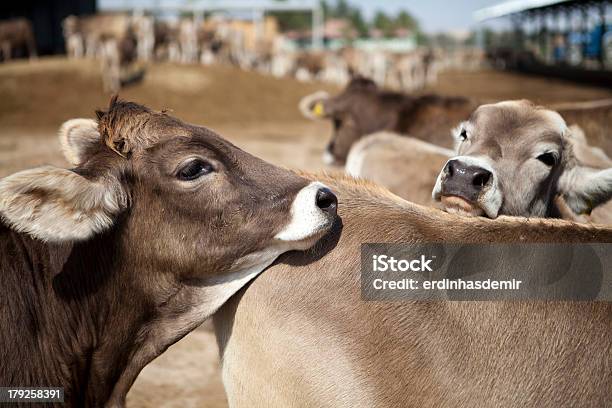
<point>450,167</point>
<point>481,178</point>
<point>326,200</point>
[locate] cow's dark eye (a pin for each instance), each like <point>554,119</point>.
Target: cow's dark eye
<point>193,170</point>
<point>548,159</point>
<point>463,135</point>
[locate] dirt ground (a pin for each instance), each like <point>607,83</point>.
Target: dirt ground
<point>257,113</point>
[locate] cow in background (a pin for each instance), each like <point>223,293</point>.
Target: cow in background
<point>363,108</point>
<point>17,37</point>
<point>407,166</point>
<point>84,35</point>
<point>116,40</point>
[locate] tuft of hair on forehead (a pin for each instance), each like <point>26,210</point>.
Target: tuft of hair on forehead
<point>123,126</point>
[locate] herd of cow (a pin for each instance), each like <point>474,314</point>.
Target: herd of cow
<point>158,225</point>
<point>118,41</point>
<point>509,158</point>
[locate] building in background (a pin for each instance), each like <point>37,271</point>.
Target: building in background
<point>46,17</point>
<point>566,38</point>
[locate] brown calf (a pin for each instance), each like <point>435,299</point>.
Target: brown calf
<point>105,265</point>
<point>362,108</point>
<point>409,167</point>
<point>514,158</point>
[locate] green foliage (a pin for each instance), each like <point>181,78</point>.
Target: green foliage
<point>384,24</point>
<point>359,23</point>
<point>342,9</point>
<point>422,39</point>
<point>292,20</point>
<point>406,20</point>
<point>296,20</point>
<point>388,25</point>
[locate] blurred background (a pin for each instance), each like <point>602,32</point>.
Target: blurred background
<point>241,67</point>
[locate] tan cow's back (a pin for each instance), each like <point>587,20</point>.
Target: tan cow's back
<point>301,336</point>
<point>405,165</point>
<point>109,25</point>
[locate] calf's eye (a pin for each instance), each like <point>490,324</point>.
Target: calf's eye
<point>193,170</point>
<point>548,159</point>
<point>463,135</point>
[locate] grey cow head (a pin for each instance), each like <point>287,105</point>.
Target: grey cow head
<point>513,158</point>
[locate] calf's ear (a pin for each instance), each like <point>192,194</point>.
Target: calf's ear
<point>584,188</point>
<point>54,204</point>
<point>76,137</point>
<point>313,106</point>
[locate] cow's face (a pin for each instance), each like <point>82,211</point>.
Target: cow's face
<point>513,159</point>
<point>70,25</point>
<point>354,113</point>
<point>180,195</point>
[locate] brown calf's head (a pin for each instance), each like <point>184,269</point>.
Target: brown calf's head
<point>182,198</point>
<point>513,158</point>
<point>355,112</point>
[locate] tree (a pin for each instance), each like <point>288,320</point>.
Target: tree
<point>292,20</point>
<point>359,23</point>
<point>325,8</point>
<point>297,20</point>
<point>343,9</point>
<point>383,23</point>
<point>406,20</point>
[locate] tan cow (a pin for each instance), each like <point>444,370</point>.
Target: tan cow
<point>409,168</point>
<point>117,40</point>
<point>144,29</point>
<point>84,35</point>
<point>301,336</point>
<point>405,165</point>
<point>514,158</point>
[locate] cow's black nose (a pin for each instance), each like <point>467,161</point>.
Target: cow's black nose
<point>464,180</point>
<point>327,201</point>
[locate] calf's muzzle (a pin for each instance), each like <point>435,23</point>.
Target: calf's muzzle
<point>465,181</point>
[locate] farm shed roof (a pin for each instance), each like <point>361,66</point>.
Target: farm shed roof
<point>519,6</point>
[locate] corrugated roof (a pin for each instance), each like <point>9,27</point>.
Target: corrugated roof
<point>511,7</point>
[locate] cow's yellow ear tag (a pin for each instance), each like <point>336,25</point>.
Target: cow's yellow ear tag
<point>318,109</point>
